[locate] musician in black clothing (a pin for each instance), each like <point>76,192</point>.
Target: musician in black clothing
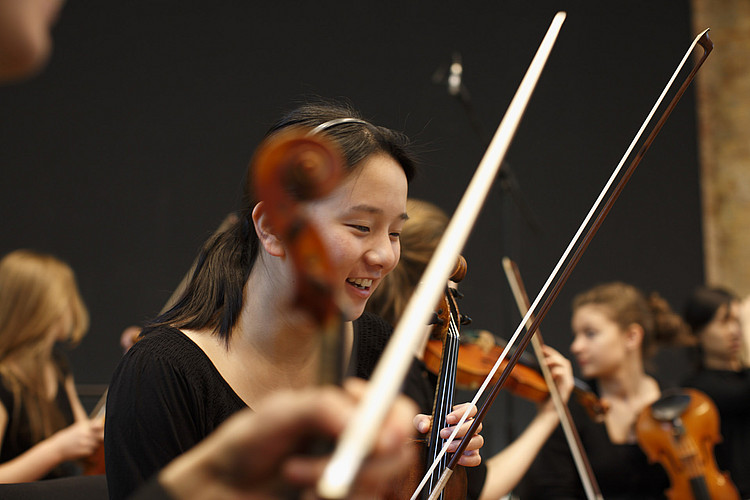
<point>721,325</point>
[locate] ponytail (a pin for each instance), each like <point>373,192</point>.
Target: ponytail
<point>214,295</point>
<point>669,327</point>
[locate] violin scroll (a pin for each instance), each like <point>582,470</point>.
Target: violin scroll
<point>595,408</point>
<point>289,168</point>
<point>442,315</point>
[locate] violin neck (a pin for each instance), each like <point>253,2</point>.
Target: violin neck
<point>443,403</point>
<point>331,367</point>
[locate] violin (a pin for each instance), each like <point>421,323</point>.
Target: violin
<point>449,333</point>
<point>94,464</point>
<point>446,333</point>
<point>679,431</point>
<point>477,354</point>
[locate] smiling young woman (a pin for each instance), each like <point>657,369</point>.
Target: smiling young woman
<point>234,338</point>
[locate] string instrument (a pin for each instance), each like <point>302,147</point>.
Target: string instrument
<point>448,332</point>
<point>679,431</point>
<point>479,349</point>
<point>289,168</point>
<point>93,465</point>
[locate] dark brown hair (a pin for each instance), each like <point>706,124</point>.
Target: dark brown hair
<point>214,296</point>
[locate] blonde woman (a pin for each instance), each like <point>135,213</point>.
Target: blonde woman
<point>42,422</point>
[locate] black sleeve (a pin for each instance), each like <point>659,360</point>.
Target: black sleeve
<point>150,419</point>
<point>729,391</point>
<point>475,477</point>
<point>553,473</point>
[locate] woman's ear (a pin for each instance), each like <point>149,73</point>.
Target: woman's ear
<point>265,232</point>
<point>634,336</point>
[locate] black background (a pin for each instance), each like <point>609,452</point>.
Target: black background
<point>129,149</point>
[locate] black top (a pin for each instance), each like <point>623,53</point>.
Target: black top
<point>17,433</point>
<point>730,391</point>
<point>621,470</point>
<point>166,396</point>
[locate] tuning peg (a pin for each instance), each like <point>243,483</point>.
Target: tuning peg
<point>436,319</point>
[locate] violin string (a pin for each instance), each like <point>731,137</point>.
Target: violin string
<point>443,398</point>
<point>453,353</point>
<point>454,331</point>
<point>689,452</point>
<point>440,458</point>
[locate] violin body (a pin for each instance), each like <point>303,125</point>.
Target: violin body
<point>475,362</point>
<point>455,489</point>
<point>478,354</point>
<point>679,431</point>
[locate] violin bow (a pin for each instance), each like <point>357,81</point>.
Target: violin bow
<point>581,460</point>
<point>707,45</point>
<point>357,439</point>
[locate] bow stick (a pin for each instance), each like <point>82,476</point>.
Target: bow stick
<point>357,439</point>
<point>590,486</point>
<point>707,45</point>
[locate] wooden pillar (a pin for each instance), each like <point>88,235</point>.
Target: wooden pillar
<point>723,94</point>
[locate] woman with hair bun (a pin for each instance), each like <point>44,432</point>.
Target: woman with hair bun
<point>616,329</point>
<point>43,425</point>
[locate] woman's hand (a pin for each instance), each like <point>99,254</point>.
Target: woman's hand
<point>470,457</point>
<point>562,373</point>
<point>78,440</point>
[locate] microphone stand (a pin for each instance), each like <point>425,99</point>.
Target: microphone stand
<point>452,77</point>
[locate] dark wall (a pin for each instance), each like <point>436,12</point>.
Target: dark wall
<point>129,149</point>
